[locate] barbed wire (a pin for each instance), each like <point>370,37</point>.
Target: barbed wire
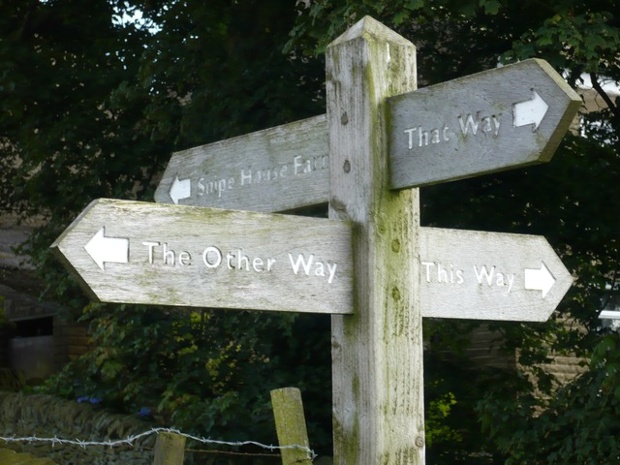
<point>131,439</point>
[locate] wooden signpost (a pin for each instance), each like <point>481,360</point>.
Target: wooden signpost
<point>370,264</point>
<point>487,122</point>
<point>377,353</point>
<point>148,253</point>
<point>483,123</point>
<point>489,276</point>
<point>278,169</point>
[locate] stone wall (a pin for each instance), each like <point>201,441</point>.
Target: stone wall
<point>10,457</point>
<point>27,415</point>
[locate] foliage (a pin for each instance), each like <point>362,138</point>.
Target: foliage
<point>89,112</point>
<point>555,200</point>
<point>205,372</point>
<point>95,111</point>
<point>580,425</point>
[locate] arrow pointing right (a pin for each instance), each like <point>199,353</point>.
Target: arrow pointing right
<point>539,279</point>
<point>529,112</point>
<point>107,249</point>
<point>180,189</point>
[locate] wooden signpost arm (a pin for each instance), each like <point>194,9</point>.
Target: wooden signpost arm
<point>377,352</point>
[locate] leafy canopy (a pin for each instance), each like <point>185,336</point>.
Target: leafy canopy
<point>92,106</point>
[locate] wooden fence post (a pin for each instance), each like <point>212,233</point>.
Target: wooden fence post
<point>377,352</point>
<point>169,449</point>
<point>288,412</point>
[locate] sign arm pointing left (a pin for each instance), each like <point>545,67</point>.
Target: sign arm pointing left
<point>161,254</point>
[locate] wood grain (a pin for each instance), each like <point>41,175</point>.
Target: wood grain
<point>252,259</point>
<point>277,169</point>
<point>377,352</point>
<point>466,127</point>
<point>481,275</point>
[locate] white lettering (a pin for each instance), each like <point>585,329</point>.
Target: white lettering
<point>427,137</point>
<point>483,274</point>
<point>428,266</point>
<point>262,175</point>
<point>257,264</point>
<point>309,165</point>
<point>301,264</point>
<point>246,178</point>
<point>185,259</point>
<point>469,123</point>
<point>486,124</point>
<point>214,186</point>
<point>151,245</point>
<point>320,269</point>
<point>297,164</point>
<point>436,272</point>
<point>238,261</point>
<point>168,255</point>
<point>213,262</point>
<point>332,272</point>
<point>493,277</point>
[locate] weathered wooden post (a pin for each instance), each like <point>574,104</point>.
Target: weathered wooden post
<point>288,412</point>
<point>377,352</point>
<point>169,449</point>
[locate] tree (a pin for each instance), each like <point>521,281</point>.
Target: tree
<point>90,112</point>
<point>95,111</point>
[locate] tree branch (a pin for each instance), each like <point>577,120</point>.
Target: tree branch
<point>597,87</point>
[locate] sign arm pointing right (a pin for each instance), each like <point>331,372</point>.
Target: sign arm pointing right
<point>478,124</point>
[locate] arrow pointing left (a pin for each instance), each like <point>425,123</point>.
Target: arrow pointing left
<point>104,249</point>
<point>181,189</point>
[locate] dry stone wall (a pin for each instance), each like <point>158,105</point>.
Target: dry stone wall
<point>24,415</point>
<point>10,457</point>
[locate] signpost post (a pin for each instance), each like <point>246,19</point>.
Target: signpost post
<point>377,353</point>
<point>371,265</point>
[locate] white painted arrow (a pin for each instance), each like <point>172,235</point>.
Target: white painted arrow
<point>529,112</point>
<point>539,279</point>
<point>107,249</point>
<point>180,189</point>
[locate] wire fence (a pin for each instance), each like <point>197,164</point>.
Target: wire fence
<point>130,441</point>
